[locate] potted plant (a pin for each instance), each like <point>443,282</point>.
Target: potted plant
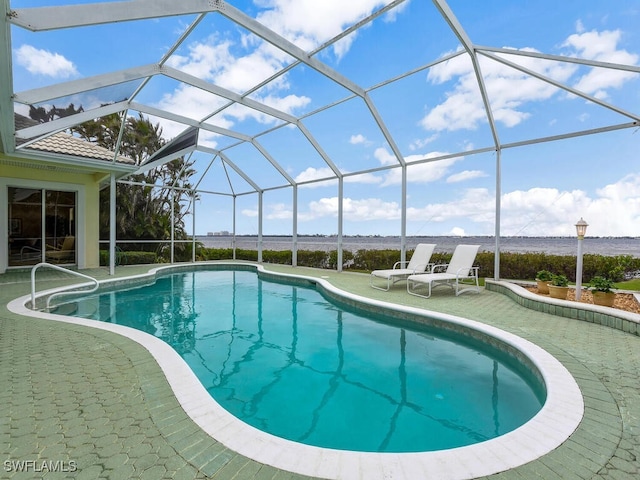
<point>543,277</point>
<point>601,289</point>
<point>559,287</point>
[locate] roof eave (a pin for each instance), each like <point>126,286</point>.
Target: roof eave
<point>63,160</point>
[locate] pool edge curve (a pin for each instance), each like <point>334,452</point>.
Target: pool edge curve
<point>549,428</point>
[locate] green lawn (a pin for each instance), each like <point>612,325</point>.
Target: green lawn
<point>629,284</point>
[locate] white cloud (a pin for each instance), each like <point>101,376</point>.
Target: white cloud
<point>43,62</point>
<point>212,60</point>
<point>309,23</point>
<point>419,173</point>
<point>287,104</point>
<point>423,142</point>
<point>465,175</point>
<point>614,210</point>
<point>368,178</point>
<point>194,103</point>
<point>476,205</point>
<point>206,60</point>
<point>353,210</point>
<point>311,173</point>
<point>509,90</point>
<point>384,157</point>
<point>249,212</point>
<point>358,139</point>
<point>279,211</point>
<point>603,47</point>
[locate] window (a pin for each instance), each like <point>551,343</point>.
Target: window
<point>42,226</point>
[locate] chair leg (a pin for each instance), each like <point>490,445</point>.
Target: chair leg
<point>415,293</point>
<point>377,287</point>
<point>475,289</point>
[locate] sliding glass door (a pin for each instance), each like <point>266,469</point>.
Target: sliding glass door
<point>42,226</point>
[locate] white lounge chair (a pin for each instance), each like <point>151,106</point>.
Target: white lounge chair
<point>419,263</point>
<point>457,273</point>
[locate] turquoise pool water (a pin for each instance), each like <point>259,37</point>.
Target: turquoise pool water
<point>286,360</point>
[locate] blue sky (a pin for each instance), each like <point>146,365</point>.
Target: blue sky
<point>545,187</point>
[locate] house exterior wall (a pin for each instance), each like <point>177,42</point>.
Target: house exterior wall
<point>84,184</point>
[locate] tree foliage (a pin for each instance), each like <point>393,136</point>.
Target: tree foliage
<point>143,209</point>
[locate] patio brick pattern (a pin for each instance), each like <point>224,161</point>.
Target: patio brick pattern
<point>98,402</point>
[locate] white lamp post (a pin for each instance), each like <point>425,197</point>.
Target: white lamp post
<point>581,229</point>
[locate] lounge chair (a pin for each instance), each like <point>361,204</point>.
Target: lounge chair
<point>456,274</point>
<point>419,263</point>
<point>66,253</point>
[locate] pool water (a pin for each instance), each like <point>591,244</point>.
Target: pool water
<point>288,361</point>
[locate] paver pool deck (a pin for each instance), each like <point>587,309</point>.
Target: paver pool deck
<point>98,404</point>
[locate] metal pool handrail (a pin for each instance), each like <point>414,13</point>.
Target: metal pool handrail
<point>59,294</point>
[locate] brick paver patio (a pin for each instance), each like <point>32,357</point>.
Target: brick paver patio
<point>95,404</point>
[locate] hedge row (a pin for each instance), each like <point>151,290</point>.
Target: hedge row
<point>129,258</point>
<point>522,266</point>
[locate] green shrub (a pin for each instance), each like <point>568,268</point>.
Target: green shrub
<point>601,284</point>
<point>368,260</point>
<point>281,257</point>
<point>559,281</point>
<point>516,266</point>
<point>313,258</point>
<point>544,276</point>
<point>215,254</point>
<point>251,255</point>
<point>129,258</point>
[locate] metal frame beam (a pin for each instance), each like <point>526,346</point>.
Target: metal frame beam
<point>457,29</point>
<point>561,86</point>
<point>64,89</point>
<point>67,122</point>
<point>286,46</point>
<point>7,124</point>
<point>67,16</point>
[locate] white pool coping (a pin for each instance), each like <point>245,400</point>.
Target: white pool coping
<point>550,427</point>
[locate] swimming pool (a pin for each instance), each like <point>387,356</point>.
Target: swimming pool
<point>556,420</point>
<point>286,360</point>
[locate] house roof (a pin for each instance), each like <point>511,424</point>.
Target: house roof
<point>65,144</point>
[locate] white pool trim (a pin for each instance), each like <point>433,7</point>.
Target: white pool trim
<point>549,428</point>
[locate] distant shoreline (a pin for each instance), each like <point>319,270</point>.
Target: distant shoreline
<point>610,246</point>
<point>319,235</point>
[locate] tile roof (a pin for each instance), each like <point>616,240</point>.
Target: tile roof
<point>65,144</point>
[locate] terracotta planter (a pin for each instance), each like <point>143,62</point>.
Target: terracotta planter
<point>605,299</point>
<point>543,286</point>
<point>558,292</point>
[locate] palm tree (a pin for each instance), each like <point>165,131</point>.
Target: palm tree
<point>143,212</point>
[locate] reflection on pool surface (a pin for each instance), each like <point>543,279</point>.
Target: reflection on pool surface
<point>287,361</point>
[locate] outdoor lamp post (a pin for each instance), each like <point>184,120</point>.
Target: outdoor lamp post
<point>581,229</point>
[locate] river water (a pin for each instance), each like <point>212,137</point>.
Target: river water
<point>611,246</point>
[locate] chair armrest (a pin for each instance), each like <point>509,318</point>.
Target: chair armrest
<point>399,264</point>
<point>428,267</point>
<point>473,272</point>
<point>440,266</point>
